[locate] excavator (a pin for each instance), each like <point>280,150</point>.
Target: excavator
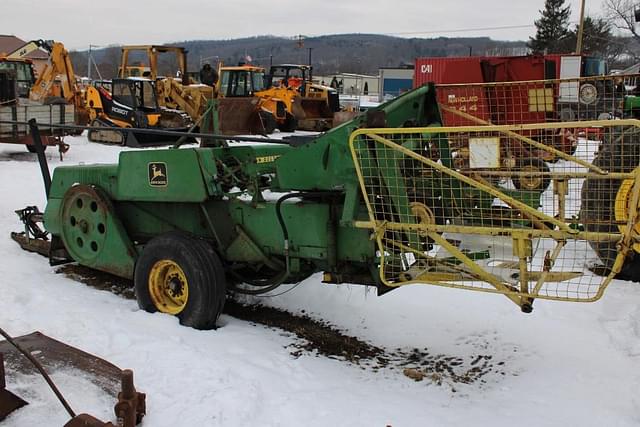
<point>318,102</point>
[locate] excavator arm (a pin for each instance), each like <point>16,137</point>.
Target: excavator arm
<point>32,46</point>
<point>60,67</point>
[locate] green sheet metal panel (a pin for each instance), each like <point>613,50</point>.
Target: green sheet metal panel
<point>160,175</point>
<point>307,224</point>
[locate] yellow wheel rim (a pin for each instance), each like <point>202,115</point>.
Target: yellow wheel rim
<point>532,181</point>
<point>621,209</point>
<point>168,287</point>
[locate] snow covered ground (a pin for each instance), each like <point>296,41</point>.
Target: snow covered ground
<point>565,364</point>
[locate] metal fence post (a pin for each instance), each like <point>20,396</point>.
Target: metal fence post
<point>44,167</point>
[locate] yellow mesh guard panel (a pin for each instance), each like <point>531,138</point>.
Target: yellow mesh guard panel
<point>478,208</point>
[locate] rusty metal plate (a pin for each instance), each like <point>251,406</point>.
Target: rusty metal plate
<point>55,355</point>
<point>9,402</point>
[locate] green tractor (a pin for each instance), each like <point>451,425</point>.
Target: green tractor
<point>376,201</point>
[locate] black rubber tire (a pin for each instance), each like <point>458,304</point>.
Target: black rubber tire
<point>32,148</point>
<point>203,271</point>
<point>598,199</point>
<point>532,162</point>
<point>290,124</point>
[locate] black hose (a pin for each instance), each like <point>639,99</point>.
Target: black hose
<point>263,288</point>
<point>40,369</point>
<point>277,280</point>
<point>285,232</point>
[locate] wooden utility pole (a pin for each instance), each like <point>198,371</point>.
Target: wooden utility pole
<point>580,29</point>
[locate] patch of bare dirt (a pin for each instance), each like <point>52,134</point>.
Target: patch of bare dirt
<point>98,279</point>
<point>323,339</point>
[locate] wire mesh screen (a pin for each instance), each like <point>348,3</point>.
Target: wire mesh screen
<point>459,207</point>
<point>539,101</point>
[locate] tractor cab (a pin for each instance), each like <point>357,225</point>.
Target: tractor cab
<point>129,102</point>
<point>23,69</point>
<point>240,81</point>
<point>137,93</point>
<point>290,75</point>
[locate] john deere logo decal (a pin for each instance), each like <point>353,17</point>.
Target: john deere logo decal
<point>158,174</point>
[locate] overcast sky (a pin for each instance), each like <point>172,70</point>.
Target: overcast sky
<point>78,23</point>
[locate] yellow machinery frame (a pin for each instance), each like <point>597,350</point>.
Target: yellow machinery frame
<point>530,284</point>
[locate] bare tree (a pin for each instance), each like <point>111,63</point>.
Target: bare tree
<point>621,16</point>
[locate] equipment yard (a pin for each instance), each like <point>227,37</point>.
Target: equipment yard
<point>207,222</point>
<point>478,360</point>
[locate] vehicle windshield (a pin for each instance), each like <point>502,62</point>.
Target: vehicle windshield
<point>280,76</point>
<point>258,81</point>
<point>122,93</point>
<point>145,94</point>
<point>241,82</point>
<point>24,75</point>
<point>135,93</point>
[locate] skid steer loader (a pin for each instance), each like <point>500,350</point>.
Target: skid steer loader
<point>130,103</point>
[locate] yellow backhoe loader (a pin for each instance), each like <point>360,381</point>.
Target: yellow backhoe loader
<point>57,73</point>
<point>318,102</point>
<point>277,107</point>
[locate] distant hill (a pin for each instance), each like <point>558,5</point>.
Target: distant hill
<point>348,53</point>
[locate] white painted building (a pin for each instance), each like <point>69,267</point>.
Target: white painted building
<point>351,84</point>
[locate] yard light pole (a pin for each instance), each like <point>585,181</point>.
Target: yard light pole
<point>89,59</point>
